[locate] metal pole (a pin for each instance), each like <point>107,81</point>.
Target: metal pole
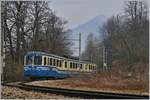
<point>103,57</point>
<point>79,47</point>
<point>104,62</point>
<point>2,45</point>
<point>79,51</point>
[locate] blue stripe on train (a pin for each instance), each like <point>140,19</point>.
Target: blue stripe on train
<point>44,71</point>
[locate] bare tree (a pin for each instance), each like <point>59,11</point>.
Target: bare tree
<point>57,35</point>
<point>129,33</point>
<point>39,13</point>
<point>31,25</point>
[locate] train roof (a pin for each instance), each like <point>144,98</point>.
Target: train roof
<point>40,53</point>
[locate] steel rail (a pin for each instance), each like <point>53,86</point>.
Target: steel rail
<point>79,93</point>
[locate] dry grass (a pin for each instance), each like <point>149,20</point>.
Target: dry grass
<point>113,80</point>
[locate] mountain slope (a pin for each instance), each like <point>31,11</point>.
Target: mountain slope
<point>92,25</point>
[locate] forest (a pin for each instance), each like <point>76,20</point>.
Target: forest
<point>27,26</point>
<point>33,25</point>
<point>125,42</point>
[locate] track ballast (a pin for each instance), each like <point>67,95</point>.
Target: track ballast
<point>77,93</point>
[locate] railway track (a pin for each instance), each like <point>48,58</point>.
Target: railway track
<point>76,93</point>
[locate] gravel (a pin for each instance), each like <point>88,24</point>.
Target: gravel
<point>16,93</point>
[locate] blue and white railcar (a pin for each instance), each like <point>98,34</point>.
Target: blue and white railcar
<point>36,64</point>
<point>41,64</point>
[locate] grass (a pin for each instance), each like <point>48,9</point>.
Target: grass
<point>114,80</point>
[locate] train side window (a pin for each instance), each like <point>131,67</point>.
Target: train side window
<point>76,66</point>
<point>54,62</point>
<point>60,63</point>
<point>73,66</point>
<point>86,67</point>
<point>65,64</point>
<point>47,60</point>
<point>81,66</point>
<point>70,64</point>
<point>90,67</point>
<point>44,60</point>
<point>50,61</point>
<point>57,63</point>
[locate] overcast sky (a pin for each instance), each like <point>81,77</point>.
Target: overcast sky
<point>80,11</point>
<point>77,12</point>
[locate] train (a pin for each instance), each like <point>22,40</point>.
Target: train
<point>39,64</point>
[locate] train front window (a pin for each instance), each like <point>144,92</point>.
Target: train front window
<point>28,60</point>
<point>37,60</point>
